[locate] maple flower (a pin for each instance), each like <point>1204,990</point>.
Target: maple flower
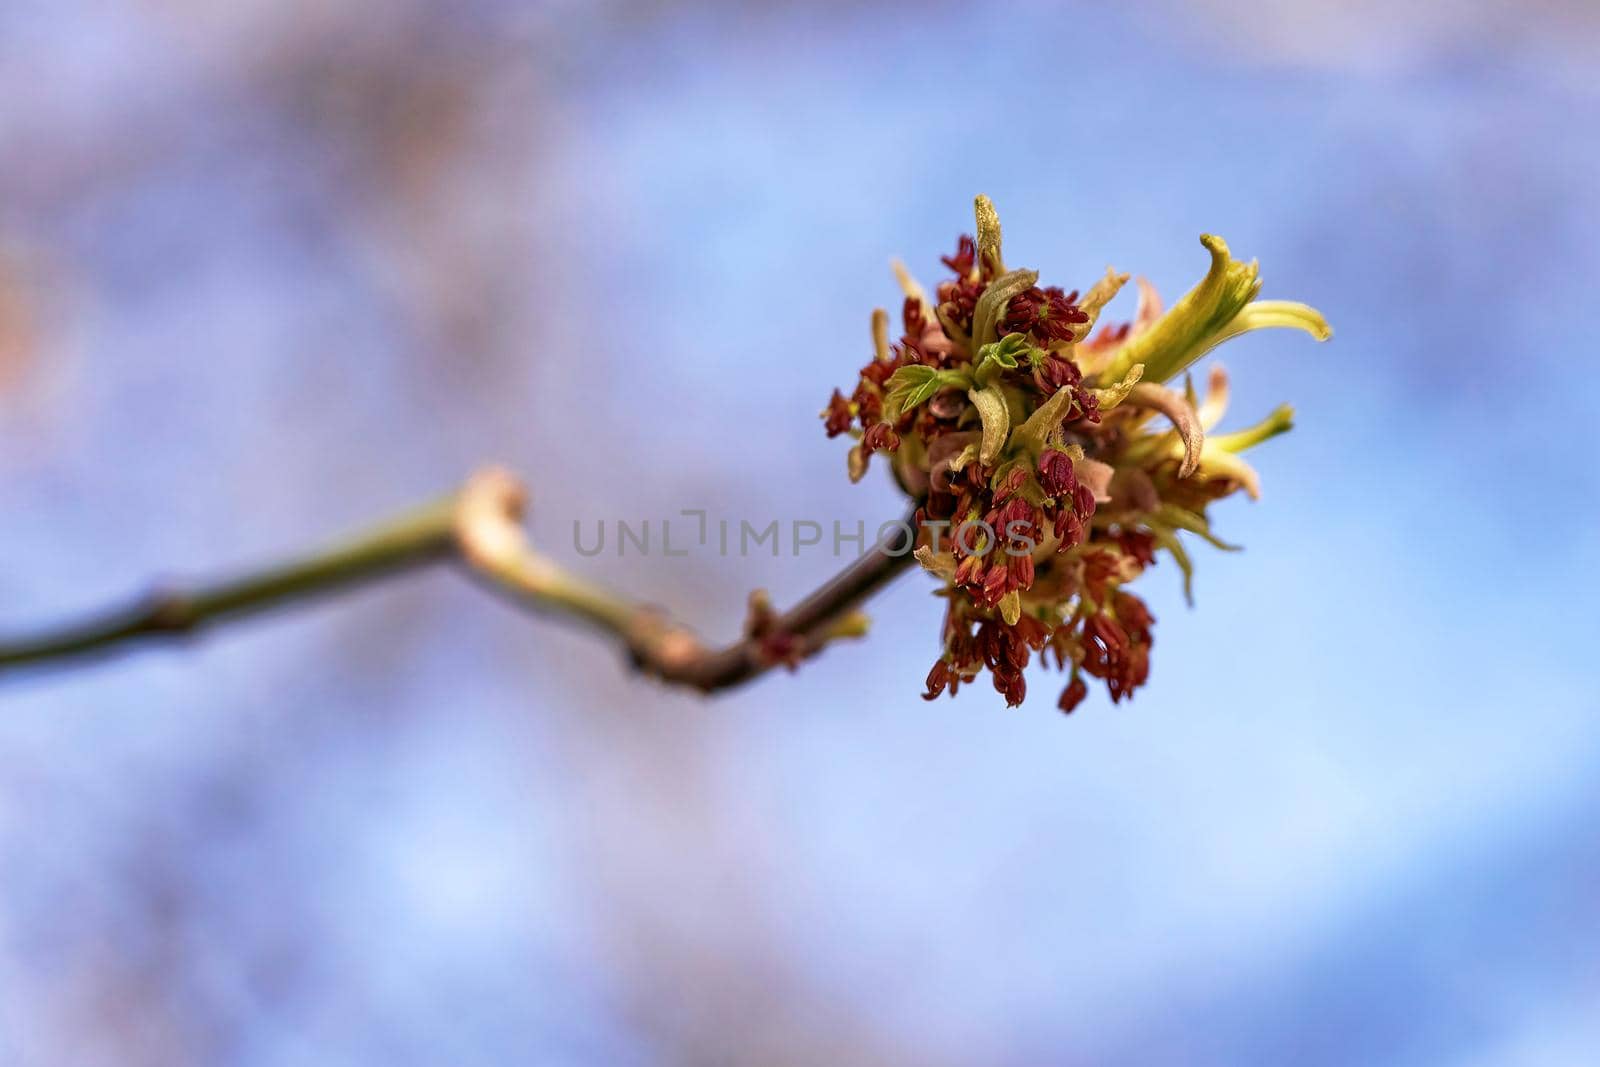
<point>1051,463</point>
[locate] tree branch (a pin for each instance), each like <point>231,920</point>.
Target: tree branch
<point>407,542</point>
<point>481,527</point>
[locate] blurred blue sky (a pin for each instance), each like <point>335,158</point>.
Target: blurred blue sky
<point>270,270</point>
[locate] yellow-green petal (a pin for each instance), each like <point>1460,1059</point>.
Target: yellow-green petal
<point>1113,395</point>
<point>1265,314</point>
<point>1037,428</point>
<point>1218,463</point>
<point>1169,541</point>
<point>1281,420</point>
<point>1098,296</point>
<point>1011,607</point>
<point>1191,327</point>
<point>991,405</point>
<point>1194,522</point>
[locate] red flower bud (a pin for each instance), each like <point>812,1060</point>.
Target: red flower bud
<point>1012,685</point>
<point>1056,473</point>
<point>1049,314</point>
<point>880,437</point>
<point>966,256</point>
<point>838,416</point>
<point>1083,501</point>
<point>1073,694</point>
<point>1012,482</point>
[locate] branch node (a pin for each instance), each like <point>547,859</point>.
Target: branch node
<point>488,518</point>
<point>169,612</point>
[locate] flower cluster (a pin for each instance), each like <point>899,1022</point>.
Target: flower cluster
<point>1044,483</point>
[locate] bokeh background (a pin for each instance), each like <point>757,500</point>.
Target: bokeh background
<point>269,270</point>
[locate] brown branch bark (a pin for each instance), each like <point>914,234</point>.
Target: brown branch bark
<point>480,527</point>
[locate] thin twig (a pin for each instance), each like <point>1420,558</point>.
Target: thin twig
<point>494,545</point>
<point>481,527</point>
<point>422,537</point>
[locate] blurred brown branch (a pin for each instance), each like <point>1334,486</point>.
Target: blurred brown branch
<point>480,526</point>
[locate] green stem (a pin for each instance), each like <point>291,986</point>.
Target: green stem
<point>422,536</point>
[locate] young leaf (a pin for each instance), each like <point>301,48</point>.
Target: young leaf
<point>917,384</point>
<point>1005,354</point>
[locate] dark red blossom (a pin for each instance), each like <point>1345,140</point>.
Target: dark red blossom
<point>868,400</point>
<point>996,583</point>
<point>1083,502</point>
<point>1099,569</point>
<point>1002,647</point>
<point>966,256</point>
<point>880,437</point>
<point>1019,571</point>
<point>1056,473</point>
<point>1048,314</point>
<point>1031,632</point>
<point>911,317</point>
<point>1011,483</point>
<point>1117,651</point>
<point>1068,529</point>
<point>1132,612</point>
<point>879,371</point>
<point>959,299</point>
<point>1113,334</point>
<point>1102,633</point>
<point>1056,372</point>
<point>1073,694</point>
<point>969,568</point>
<point>1012,685</point>
<point>838,416</point>
<point>1136,543</point>
<point>1016,520</point>
<point>1088,405</point>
